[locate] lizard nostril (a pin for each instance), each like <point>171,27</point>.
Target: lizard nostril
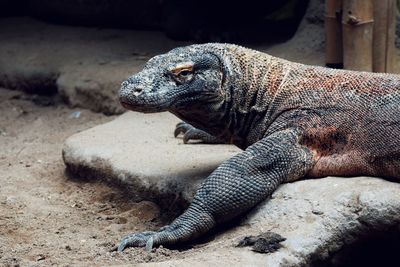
<point>137,91</point>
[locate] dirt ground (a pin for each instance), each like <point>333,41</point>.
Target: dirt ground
<point>46,217</point>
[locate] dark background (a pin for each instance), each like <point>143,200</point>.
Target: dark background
<point>200,21</point>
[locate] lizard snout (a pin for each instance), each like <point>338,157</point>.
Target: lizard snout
<point>129,92</point>
<point>137,91</point>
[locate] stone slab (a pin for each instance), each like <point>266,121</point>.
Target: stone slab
<point>140,151</point>
<point>319,218</point>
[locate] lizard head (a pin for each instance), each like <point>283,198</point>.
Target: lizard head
<point>184,78</point>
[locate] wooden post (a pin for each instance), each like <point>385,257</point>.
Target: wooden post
<point>391,36</point>
<point>333,34</point>
<point>384,34</point>
<point>357,22</point>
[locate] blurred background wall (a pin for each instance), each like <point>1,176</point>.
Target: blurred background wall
<point>201,21</point>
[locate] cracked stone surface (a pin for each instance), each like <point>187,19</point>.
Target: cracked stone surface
<point>318,217</point>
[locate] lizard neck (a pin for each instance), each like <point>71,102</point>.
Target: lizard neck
<point>255,86</point>
<point>210,118</point>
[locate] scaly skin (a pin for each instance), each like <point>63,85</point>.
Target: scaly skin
<point>291,120</point>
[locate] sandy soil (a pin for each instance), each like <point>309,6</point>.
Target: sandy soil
<point>46,217</point>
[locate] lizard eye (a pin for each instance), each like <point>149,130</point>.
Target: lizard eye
<point>185,73</point>
<point>182,70</point>
<point>182,74</point>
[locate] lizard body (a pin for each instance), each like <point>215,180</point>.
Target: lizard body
<point>291,120</point>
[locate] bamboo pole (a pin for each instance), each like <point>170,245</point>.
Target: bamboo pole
<point>380,35</point>
<point>333,34</point>
<point>357,22</point>
<point>384,35</point>
<point>391,36</point>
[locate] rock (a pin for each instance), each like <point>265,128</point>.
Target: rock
<point>141,152</point>
<point>85,66</point>
<point>349,209</point>
<point>93,87</point>
<point>323,220</point>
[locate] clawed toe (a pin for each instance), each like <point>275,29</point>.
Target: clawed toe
<point>169,234</point>
<point>182,128</point>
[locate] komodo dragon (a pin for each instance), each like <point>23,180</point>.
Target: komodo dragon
<point>291,120</point>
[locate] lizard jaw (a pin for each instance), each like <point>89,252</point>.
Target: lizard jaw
<point>125,105</point>
<point>145,108</point>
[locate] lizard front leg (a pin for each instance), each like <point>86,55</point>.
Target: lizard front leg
<point>233,188</point>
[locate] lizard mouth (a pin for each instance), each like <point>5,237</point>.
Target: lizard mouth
<point>148,108</point>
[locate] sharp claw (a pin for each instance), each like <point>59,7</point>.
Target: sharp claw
<point>121,246</point>
<point>149,244</point>
<point>182,128</point>
<point>177,131</point>
<point>187,136</point>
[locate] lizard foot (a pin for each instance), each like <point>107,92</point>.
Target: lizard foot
<point>264,243</point>
<point>138,240</point>
<point>188,226</point>
<point>149,239</point>
<point>191,133</point>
